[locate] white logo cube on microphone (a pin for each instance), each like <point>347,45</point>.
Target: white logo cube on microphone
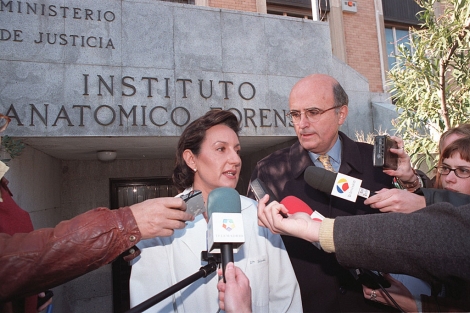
<point>225,228</point>
<point>346,187</point>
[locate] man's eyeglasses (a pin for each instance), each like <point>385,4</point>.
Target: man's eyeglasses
<point>312,115</point>
<point>461,172</point>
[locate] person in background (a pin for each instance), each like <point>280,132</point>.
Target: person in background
<point>453,134</point>
<point>453,168</point>
<point>318,106</point>
<point>14,219</point>
<point>208,157</point>
<point>453,172</point>
<point>396,199</point>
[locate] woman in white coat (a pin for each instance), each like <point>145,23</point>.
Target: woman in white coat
<point>207,157</point>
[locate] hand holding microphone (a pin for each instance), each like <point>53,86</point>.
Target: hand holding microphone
<point>396,200</point>
<point>299,224</point>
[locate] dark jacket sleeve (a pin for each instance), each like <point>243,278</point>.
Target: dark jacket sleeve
<point>440,195</point>
<point>45,258</point>
<point>431,243</point>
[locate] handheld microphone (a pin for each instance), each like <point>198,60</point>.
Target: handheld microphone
<point>225,228</point>
<point>294,205</point>
<point>348,188</point>
<point>336,184</point>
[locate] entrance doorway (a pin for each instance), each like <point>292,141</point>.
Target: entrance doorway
<point>126,192</point>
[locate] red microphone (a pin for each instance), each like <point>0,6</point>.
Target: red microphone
<point>294,205</point>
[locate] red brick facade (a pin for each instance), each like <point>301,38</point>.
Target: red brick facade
<point>362,45</point>
<point>241,5</point>
<point>360,32</point>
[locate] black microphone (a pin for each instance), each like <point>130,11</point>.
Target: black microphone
<point>225,228</point>
<point>345,187</point>
<point>336,184</point>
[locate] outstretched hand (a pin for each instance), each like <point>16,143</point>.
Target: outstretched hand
<point>298,225</point>
<point>160,216</point>
<point>396,200</point>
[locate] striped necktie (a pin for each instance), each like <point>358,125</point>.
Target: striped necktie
<point>325,161</point>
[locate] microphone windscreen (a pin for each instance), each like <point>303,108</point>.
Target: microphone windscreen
<point>320,179</point>
<point>294,205</point>
<point>223,200</point>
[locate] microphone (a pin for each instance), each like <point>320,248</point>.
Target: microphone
<point>294,205</point>
<point>225,232</point>
<point>348,188</point>
<point>336,184</point>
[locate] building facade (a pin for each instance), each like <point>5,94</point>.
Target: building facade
<point>80,77</point>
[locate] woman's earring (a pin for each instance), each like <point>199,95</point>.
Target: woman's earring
<point>195,170</point>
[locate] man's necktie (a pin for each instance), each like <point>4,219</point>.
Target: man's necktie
<point>325,160</point>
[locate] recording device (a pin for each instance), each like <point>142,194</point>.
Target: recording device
<point>336,184</point>
<point>225,233</point>
<point>194,202</point>
<point>259,189</point>
<point>382,155</point>
<point>41,301</point>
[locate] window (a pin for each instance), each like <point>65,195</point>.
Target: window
<point>394,37</point>
<point>297,8</point>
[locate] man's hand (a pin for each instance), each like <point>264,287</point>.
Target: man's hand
<point>160,216</point>
<point>396,200</point>
<point>298,225</point>
<point>235,294</point>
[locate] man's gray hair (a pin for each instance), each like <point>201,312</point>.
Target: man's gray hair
<point>341,97</point>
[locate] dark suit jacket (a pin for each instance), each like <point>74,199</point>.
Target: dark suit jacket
<point>325,285</point>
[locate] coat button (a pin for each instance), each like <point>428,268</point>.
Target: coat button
<point>342,290</point>
<point>132,238</point>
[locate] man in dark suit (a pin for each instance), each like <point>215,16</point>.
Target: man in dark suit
<point>318,107</point>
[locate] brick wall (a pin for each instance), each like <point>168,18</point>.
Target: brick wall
<point>241,5</point>
<point>362,45</point>
<point>360,31</point>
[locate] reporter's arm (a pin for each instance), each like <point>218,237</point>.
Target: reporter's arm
<point>433,196</point>
<point>431,244</point>
<point>45,258</point>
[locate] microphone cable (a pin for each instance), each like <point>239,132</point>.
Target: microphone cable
<point>390,298</point>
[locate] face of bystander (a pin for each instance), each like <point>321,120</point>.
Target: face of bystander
<point>451,181</point>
